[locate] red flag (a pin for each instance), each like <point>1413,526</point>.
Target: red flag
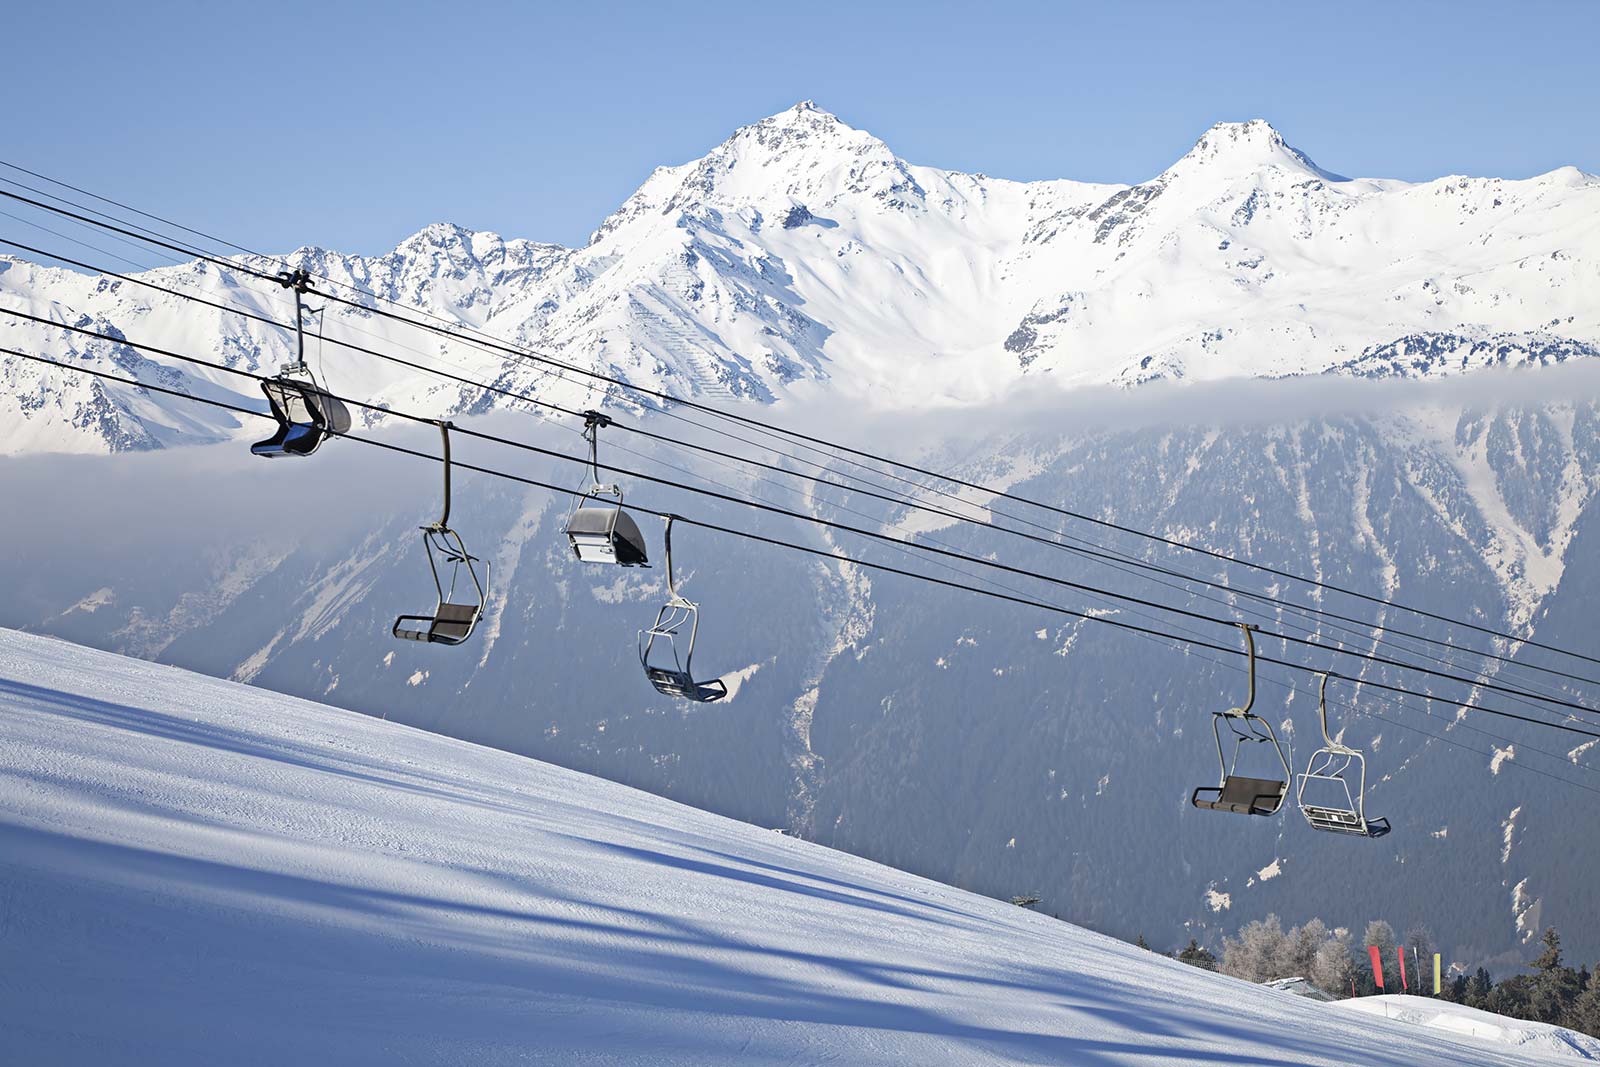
<point>1377,965</point>
<point>1404,985</point>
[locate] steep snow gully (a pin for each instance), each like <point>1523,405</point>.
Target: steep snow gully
<point>196,871</point>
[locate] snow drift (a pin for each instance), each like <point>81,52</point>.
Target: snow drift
<point>1481,1027</point>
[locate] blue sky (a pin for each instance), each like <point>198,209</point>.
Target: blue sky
<point>351,125</point>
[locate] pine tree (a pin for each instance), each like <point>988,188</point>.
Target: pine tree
<point>1554,987</point>
<point>1478,989</point>
<point>1550,958</point>
<point>1584,1015</point>
<point>1142,943</point>
<point>1513,998</point>
<point>1456,990</point>
<point>1195,956</point>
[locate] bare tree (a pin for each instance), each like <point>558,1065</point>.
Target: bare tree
<point>1300,949</point>
<point>1333,969</point>
<point>1257,952</point>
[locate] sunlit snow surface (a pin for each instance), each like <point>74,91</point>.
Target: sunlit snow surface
<point>1482,1027</point>
<point>194,871</point>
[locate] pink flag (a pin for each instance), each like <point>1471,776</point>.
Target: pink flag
<point>1377,965</point>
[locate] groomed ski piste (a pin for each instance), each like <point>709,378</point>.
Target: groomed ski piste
<point>195,871</point>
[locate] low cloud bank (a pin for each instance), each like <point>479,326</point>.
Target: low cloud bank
<point>1040,408</point>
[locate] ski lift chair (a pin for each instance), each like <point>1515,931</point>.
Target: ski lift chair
<point>598,529</point>
<point>454,619</point>
<point>671,675</point>
<point>1234,792</point>
<point>307,413</point>
<point>1327,773</point>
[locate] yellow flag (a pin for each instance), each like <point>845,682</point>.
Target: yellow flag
<point>1435,974</point>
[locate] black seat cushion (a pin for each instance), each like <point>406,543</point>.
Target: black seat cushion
<point>1245,796</point>
<point>453,621</point>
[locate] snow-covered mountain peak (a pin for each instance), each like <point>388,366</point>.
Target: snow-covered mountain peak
<point>1569,177</point>
<point>802,248</point>
<point>480,245</point>
<point>803,127</point>
<point>801,155</point>
<point>442,235</point>
<point>1231,149</point>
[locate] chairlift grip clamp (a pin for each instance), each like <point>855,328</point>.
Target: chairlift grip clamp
<point>298,279</point>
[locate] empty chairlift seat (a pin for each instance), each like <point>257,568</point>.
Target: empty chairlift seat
<point>307,415</point>
<point>451,624</point>
<point>666,650</point>
<point>677,621</point>
<point>1241,795</point>
<point>1234,792</point>
<point>458,610</point>
<point>455,617</point>
<point>1323,792</point>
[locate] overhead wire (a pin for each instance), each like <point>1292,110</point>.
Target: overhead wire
<point>1183,629</point>
<point>1158,636</point>
<point>843,527</point>
<point>1115,560</point>
<point>810,550</point>
<point>1375,627</point>
<point>461,333</point>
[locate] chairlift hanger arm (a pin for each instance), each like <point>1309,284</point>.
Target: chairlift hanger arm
<point>444,435</point>
<point>1250,652</point>
<point>593,421</point>
<point>1322,716</point>
<point>666,547</point>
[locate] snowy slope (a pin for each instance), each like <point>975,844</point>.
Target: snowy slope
<point>1483,1027</point>
<point>803,253</point>
<point>201,872</point>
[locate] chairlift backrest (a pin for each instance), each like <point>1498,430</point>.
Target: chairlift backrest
<point>600,532</point>
<point>307,414</point>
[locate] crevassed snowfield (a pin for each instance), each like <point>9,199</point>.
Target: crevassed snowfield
<point>194,871</point>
